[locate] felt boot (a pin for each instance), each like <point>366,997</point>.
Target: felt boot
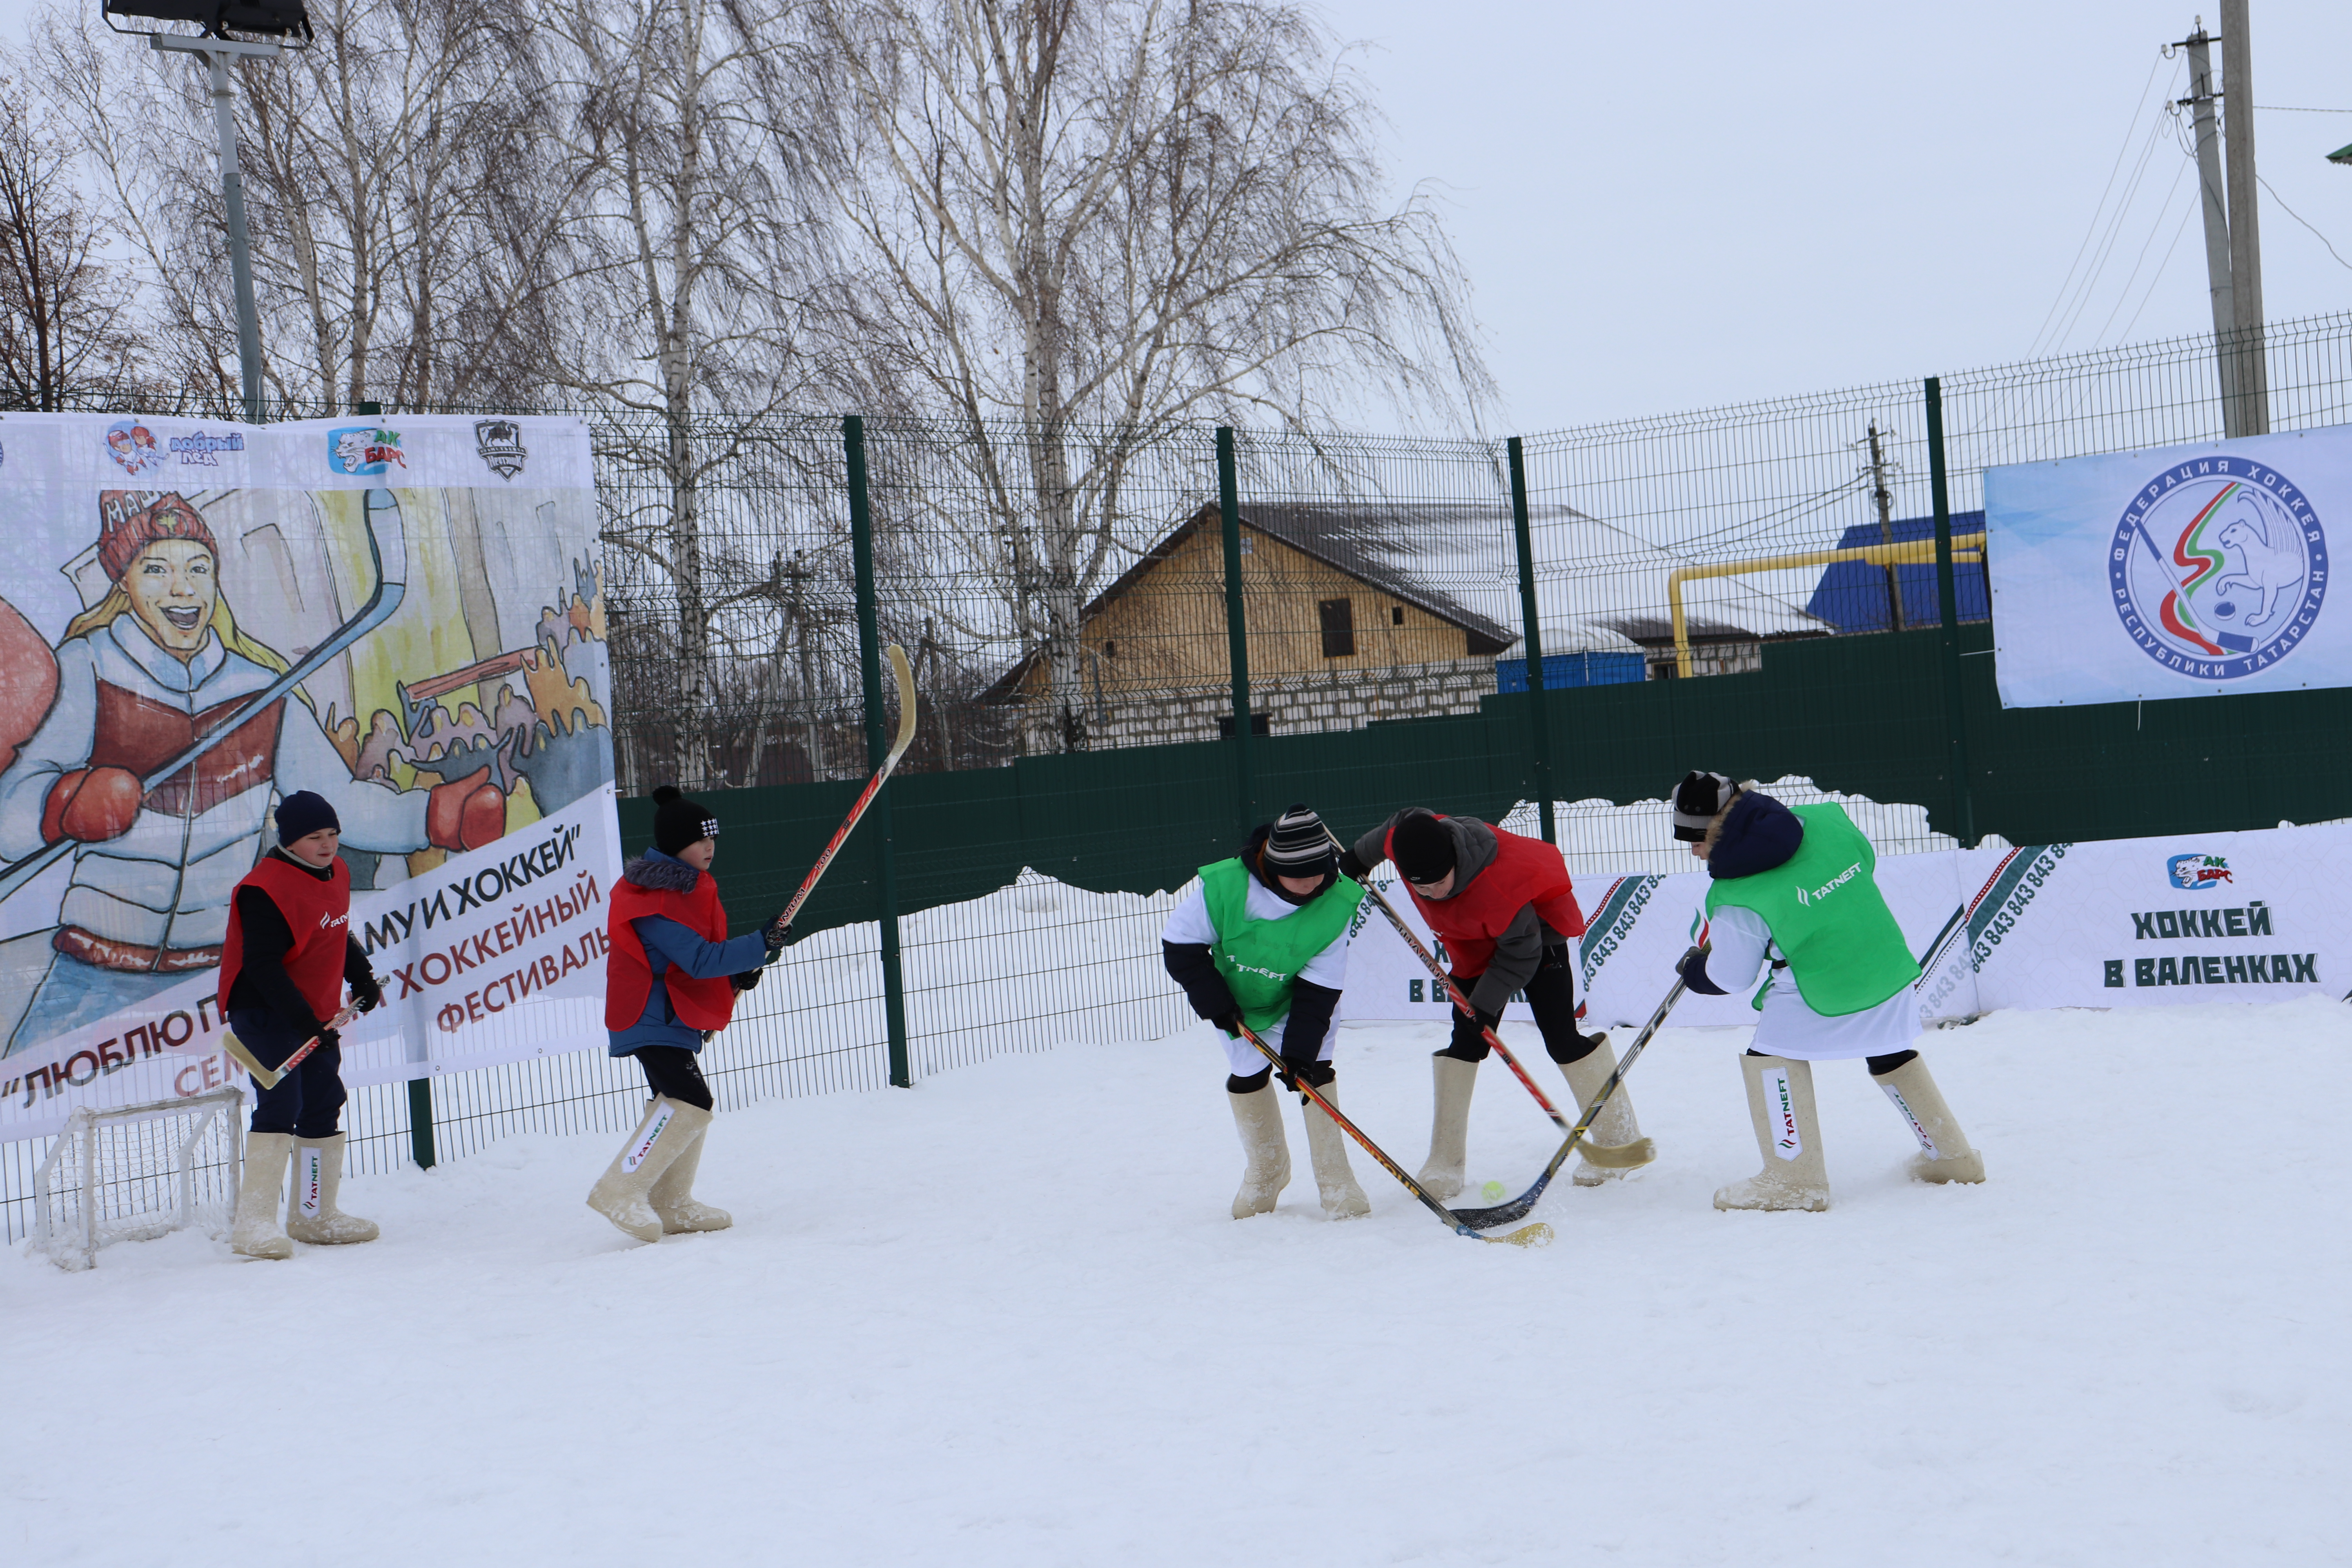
<point>673,1195</point>
<point>1449,1126</point>
<point>1615,1126</point>
<point>257,1233</point>
<point>1327,1148</point>
<point>624,1193</point>
<point>1780,1099</point>
<point>312,1214</point>
<point>1945,1154</point>
<point>1258,1117</point>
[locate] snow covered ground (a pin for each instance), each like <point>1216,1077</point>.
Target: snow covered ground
<point>1003,1319</point>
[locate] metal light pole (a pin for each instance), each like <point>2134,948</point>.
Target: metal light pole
<point>218,53</point>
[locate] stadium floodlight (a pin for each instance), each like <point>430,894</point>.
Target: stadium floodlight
<point>219,19</point>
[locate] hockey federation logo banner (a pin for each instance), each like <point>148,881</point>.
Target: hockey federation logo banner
<point>2180,571</point>
<point>199,619</point>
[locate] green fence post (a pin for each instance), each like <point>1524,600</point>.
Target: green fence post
<point>420,1121</point>
<point>1948,597</point>
<point>878,747</point>
<point>1229,511</point>
<point>1539,721</point>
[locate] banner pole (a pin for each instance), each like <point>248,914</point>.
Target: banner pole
<point>1947,602</point>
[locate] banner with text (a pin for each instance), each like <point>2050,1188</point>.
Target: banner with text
<point>2229,917</point>
<point>2179,572</point>
<point>404,615</point>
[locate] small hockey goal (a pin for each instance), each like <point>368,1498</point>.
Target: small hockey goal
<point>138,1172</point>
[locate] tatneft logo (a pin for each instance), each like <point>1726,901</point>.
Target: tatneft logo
<point>1806,896</point>
<point>2197,873</point>
<point>362,450</point>
<point>2217,567</point>
<point>1254,969</point>
<point>644,1145</point>
<point>311,1161</point>
<point>1787,1142</point>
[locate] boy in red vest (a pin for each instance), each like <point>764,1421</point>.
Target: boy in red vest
<point>670,984</point>
<point>288,955</point>
<point>1505,909</point>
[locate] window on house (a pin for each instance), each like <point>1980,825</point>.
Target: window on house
<point>1338,618</point>
<point>1110,648</point>
<point>1396,615</point>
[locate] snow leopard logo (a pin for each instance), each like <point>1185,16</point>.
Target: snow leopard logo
<point>2219,567</point>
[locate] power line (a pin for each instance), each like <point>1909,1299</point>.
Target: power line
<point>2131,127</point>
<point>2299,218</point>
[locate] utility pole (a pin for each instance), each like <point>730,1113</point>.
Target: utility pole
<point>2245,225</point>
<point>1886,499</point>
<point>2200,103</point>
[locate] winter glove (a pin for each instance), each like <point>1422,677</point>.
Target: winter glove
<point>1350,867</point>
<point>1691,967</point>
<point>367,993</point>
<point>329,1039</point>
<point>747,981</point>
<point>465,814</point>
<point>775,933</point>
<point>91,806</point>
<point>1230,1022</point>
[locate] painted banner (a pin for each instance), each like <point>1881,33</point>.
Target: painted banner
<point>2132,922</point>
<point>404,615</point>
<point>2179,572</point>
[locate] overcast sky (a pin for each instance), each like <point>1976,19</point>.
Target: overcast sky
<point>1668,206</point>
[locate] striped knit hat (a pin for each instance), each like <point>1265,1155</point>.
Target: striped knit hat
<point>1298,845</point>
<point>1697,799</point>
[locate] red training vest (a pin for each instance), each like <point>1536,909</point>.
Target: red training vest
<point>629,974</point>
<point>318,911</point>
<point>1524,871</point>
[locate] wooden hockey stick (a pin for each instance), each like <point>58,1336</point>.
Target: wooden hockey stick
<point>269,1078</point>
<point>905,680</point>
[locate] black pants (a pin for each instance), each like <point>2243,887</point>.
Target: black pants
<point>672,1071</point>
<point>1552,996</point>
<point>307,1101</point>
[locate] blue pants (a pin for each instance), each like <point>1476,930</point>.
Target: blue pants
<point>307,1101</point>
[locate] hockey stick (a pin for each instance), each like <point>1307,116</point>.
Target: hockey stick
<point>269,1078</point>
<point>906,678</point>
<point>1527,1236</point>
<point>388,551</point>
<point>1613,1156</point>
<point>1504,1214</point>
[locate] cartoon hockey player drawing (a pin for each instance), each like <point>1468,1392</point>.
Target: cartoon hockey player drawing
<point>157,666</point>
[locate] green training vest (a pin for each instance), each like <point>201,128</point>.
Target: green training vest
<point>1828,917</point>
<point>1261,959</point>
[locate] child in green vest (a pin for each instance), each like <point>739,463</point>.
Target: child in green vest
<point>1263,940</point>
<point>1793,887</point>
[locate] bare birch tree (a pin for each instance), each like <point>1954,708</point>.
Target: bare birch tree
<point>1099,220</point>
<point>65,324</point>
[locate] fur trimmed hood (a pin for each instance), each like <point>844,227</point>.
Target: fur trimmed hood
<point>662,873</point>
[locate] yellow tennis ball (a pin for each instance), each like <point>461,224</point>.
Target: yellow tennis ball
<point>1493,1190</point>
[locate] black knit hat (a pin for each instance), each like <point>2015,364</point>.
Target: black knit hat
<point>1298,845</point>
<point>679,822</point>
<point>1422,848</point>
<point>1697,799</point>
<point>301,814</point>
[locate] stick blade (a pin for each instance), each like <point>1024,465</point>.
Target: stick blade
<point>1503,1214</point>
<point>1537,1235</point>
<point>1619,1156</point>
<point>265,1077</point>
<point>904,675</point>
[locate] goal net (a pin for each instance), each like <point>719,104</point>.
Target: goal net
<point>137,1172</point>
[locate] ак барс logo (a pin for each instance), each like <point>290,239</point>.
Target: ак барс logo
<point>2219,567</point>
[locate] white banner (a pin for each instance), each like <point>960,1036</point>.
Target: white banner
<point>404,615</point>
<point>2179,571</point>
<point>2132,922</point>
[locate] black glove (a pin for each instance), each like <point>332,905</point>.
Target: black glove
<point>775,933</point>
<point>1691,967</point>
<point>747,981</point>
<point>1230,1022</point>
<point>367,993</point>
<point>1490,1021</point>
<point>1350,867</point>
<point>329,1039</point>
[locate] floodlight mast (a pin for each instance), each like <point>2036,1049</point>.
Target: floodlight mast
<point>215,17</point>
